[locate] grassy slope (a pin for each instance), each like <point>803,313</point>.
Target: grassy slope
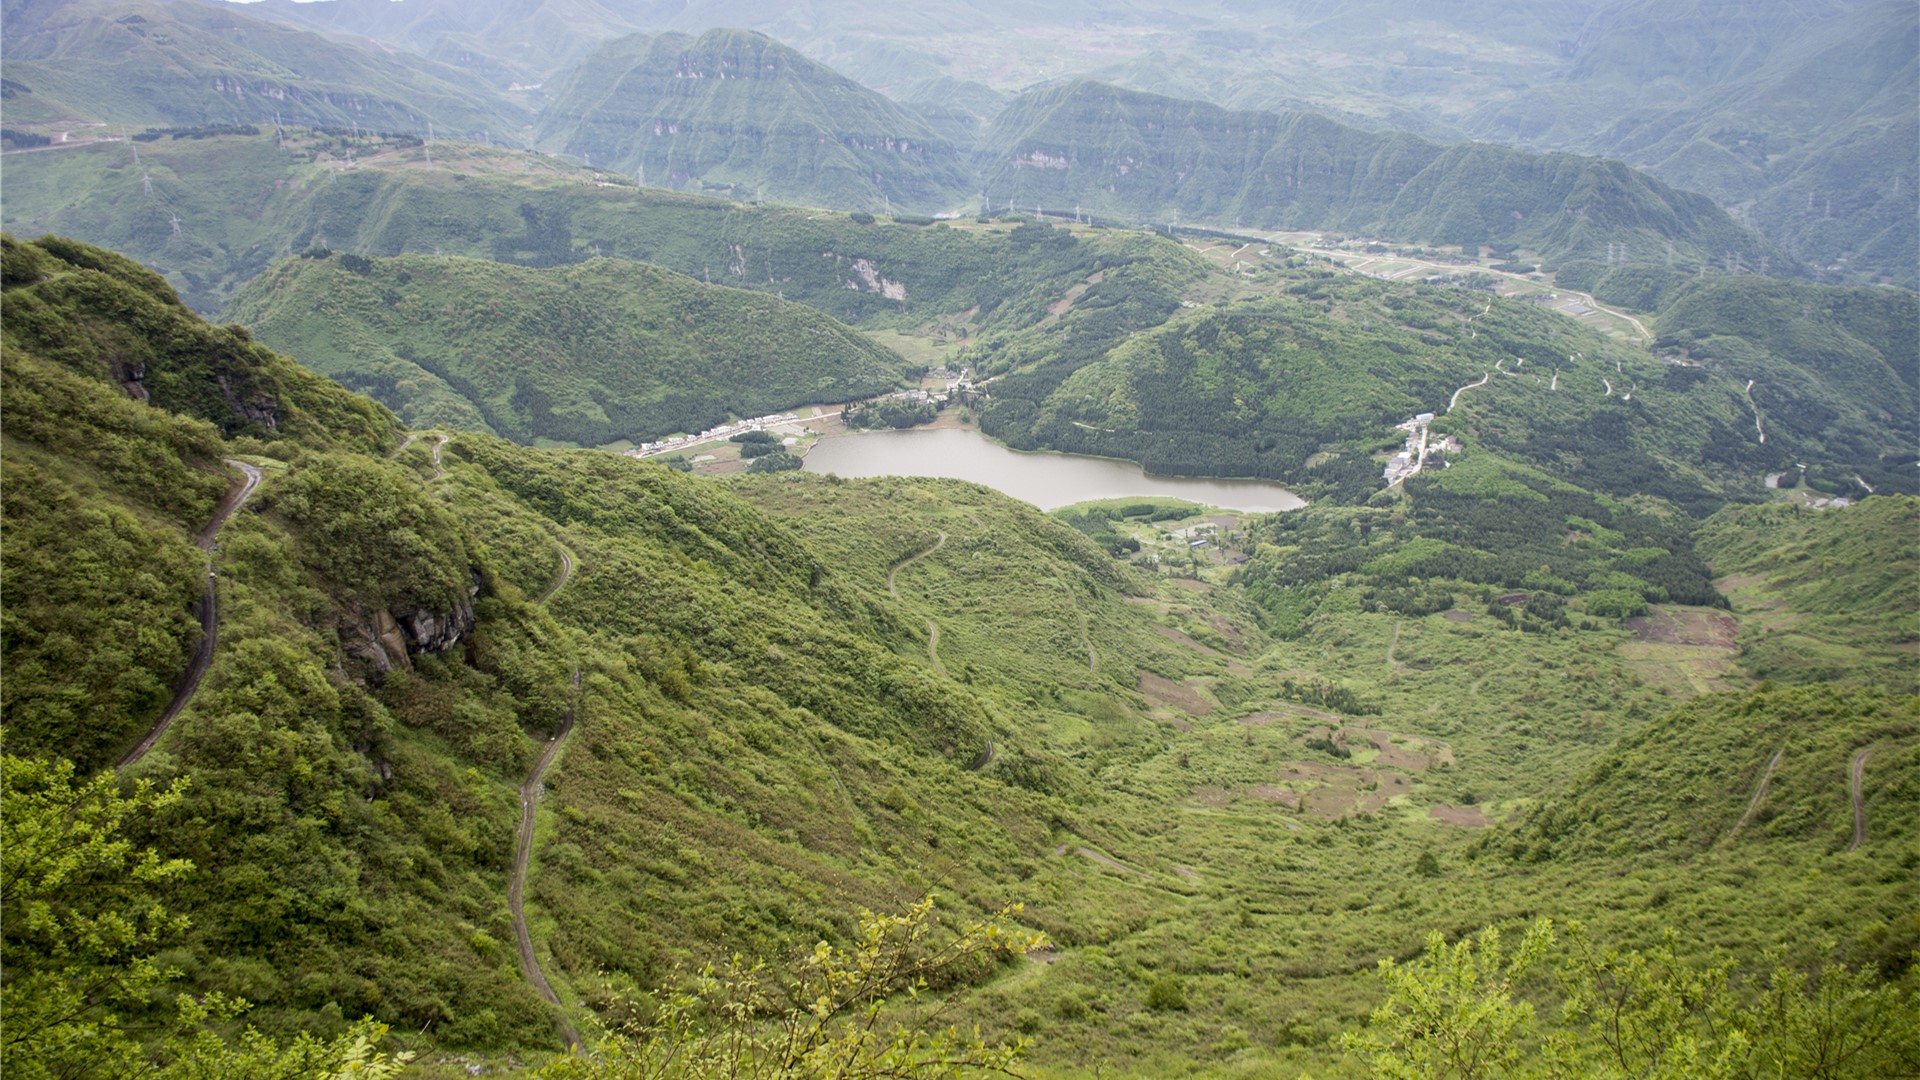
<point>588,354</point>
<point>1822,594</point>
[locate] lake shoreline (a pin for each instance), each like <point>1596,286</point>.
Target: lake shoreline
<point>961,451</point>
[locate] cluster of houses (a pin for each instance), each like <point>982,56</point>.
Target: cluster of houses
<point>724,431</point>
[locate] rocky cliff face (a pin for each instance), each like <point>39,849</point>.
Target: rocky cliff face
<point>384,639</point>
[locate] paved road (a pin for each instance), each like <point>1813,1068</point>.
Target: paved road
<point>209,616</point>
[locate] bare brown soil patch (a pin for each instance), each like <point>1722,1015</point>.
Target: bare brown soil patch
<point>1399,751</point>
<point>1685,626</point>
<point>1738,581</point>
<point>1103,860</point>
<point>1190,584</point>
<point>1458,616</point>
<point>1225,521</point>
<point>1212,796</point>
<point>1164,692</point>
<point>1269,793</point>
<point>1226,630</point>
<point>1187,872</point>
<point>1466,817</point>
<point>1283,710</point>
<point>1171,634</point>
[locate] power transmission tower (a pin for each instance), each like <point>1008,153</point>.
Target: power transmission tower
<point>146,182</point>
<point>174,220</point>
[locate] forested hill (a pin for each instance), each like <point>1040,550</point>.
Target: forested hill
<point>737,112</point>
<point>1118,152</point>
<point>587,354</point>
<point>187,64</point>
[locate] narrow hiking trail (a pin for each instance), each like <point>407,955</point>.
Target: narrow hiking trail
<point>209,615</point>
<point>438,469</point>
<point>529,813</point>
<point>1856,776</point>
<point>1392,645</point>
<point>1759,793</point>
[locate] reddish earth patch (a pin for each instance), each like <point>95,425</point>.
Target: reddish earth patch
<point>1466,817</point>
<point>1171,634</point>
<point>1458,616</point>
<point>1211,796</point>
<point>1166,693</point>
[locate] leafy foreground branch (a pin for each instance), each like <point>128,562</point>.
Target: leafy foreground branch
<point>1466,1012</point>
<point>81,993</point>
<point>868,1011</point>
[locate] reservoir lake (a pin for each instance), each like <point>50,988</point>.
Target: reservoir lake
<point>1047,480</point>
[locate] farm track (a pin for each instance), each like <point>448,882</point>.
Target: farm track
<point>209,616</point>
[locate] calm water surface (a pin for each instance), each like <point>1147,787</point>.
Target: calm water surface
<point>1046,480</point>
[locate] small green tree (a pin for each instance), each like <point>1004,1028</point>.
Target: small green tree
<point>865,1011</point>
<point>1452,1012</point>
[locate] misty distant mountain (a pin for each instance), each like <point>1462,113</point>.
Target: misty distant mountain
<point>1118,152</point>
<point>184,63</point>
<point>738,112</point>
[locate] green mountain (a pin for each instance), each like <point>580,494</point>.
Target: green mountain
<point>740,113</point>
<point>513,207</point>
<point>1109,151</point>
<point>1798,115</point>
<point>588,354</point>
<point>1302,378</point>
<point>195,65</point>
<point>769,701</point>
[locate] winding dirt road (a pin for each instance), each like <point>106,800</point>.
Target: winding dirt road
<point>523,853</point>
<point>1455,400</point>
<point>1759,793</point>
<point>1857,774</point>
<point>566,573</point>
<point>438,442</point>
<point>910,560</point>
<point>529,811</point>
<point>209,615</point>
